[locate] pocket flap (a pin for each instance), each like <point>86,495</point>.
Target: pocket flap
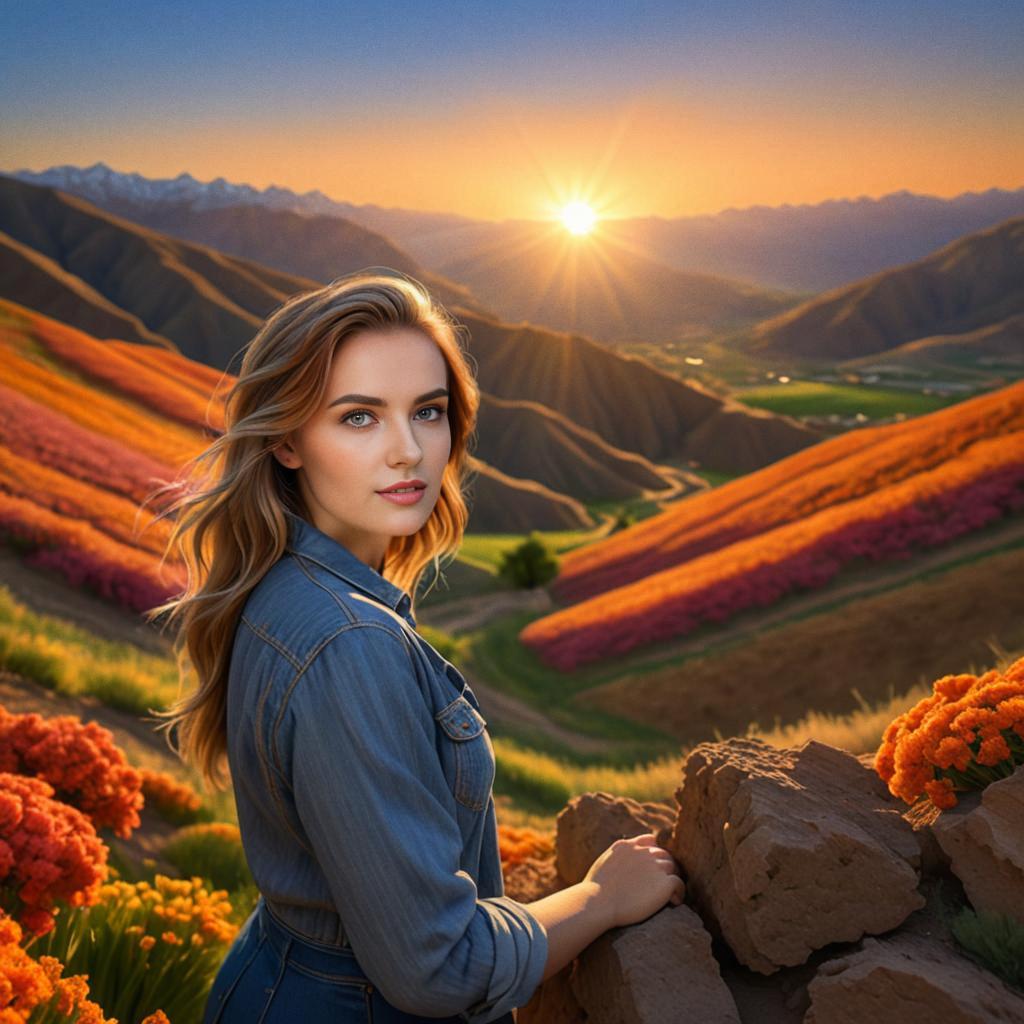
<point>460,720</point>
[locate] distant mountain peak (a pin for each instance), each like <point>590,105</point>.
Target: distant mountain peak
<point>100,183</point>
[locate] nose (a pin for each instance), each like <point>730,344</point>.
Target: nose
<point>405,449</point>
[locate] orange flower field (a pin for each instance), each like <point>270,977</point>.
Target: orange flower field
<point>853,465</point>
<point>971,481</point>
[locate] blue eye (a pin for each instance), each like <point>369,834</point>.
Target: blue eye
<point>364,412</point>
<point>356,412</point>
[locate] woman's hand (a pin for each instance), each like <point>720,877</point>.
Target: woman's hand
<point>637,878</point>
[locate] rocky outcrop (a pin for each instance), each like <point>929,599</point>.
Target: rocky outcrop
<point>659,970</point>
<point>984,840</point>
<point>813,896</point>
<point>909,980</point>
<point>786,851</point>
<point>590,823</point>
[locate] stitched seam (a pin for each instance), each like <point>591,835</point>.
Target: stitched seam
<point>300,560</point>
<point>264,759</point>
<point>273,642</point>
<point>297,933</point>
<point>225,996</point>
<point>277,982</point>
<point>309,661</point>
<point>343,979</point>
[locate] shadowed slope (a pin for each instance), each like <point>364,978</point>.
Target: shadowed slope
<point>969,284</point>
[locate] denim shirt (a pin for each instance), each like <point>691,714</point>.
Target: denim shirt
<point>362,772</point>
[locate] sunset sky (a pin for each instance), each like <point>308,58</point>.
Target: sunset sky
<point>508,110</point>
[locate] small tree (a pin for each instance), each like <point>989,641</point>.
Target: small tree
<point>622,520</point>
<point>530,564</point>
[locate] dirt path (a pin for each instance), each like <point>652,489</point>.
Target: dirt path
<point>470,613</point>
<point>48,593</point>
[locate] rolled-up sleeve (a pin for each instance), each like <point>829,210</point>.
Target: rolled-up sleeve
<point>374,802</point>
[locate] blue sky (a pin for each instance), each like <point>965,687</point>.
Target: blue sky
<point>148,81</point>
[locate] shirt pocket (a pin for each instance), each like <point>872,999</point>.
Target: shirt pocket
<point>472,754</point>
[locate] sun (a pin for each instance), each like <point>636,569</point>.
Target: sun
<point>578,217</point>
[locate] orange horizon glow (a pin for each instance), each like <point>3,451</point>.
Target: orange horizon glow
<point>661,158</point>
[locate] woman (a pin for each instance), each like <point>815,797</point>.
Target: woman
<point>361,766</point>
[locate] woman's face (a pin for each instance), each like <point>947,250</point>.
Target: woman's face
<point>383,421</point>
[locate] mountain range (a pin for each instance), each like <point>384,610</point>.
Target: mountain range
<point>804,248</point>
<point>553,417</point>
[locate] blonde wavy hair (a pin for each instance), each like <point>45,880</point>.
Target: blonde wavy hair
<point>229,516</point>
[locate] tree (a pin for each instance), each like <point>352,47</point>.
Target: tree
<point>530,564</point>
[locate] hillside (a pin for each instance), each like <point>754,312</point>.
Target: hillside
<point>530,440</point>
<point>627,401</point>
<point>316,247</point>
<point>607,291</point>
<point>209,305</point>
<point>971,283</point>
<point>89,430</point>
<point>994,347</point>
<point>874,496</point>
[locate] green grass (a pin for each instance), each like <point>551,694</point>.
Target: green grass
<point>814,398</point>
<point>72,661</point>
<point>485,550</point>
<point>994,940</point>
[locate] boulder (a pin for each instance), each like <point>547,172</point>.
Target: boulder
<point>909,979</point>
<point>785,851</point>
<point>591,822</point>
<point>984,840</point>
<point>659,971</point>
<point>553,1002</point>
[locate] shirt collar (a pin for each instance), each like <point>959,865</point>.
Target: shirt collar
<point>306,540</point>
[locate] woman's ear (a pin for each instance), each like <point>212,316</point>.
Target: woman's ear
<point>287,455</point>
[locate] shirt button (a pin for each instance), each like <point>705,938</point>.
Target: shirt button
<point>465,725</point>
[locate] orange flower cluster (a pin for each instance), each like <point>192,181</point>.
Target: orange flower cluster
<point>176,911</point>
<point>519,844</point>
<point>80,761</point>
<point>27,986</point>
<point>175,800</point>
<point>48,852</point>
<point>968,733</point>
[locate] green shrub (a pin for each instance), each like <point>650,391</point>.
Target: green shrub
<point>996,941</point>
<point>212,851</point>
<point>26,659</point>
<point>622,520</point>
<point>116,690</point>
<point>529,565</point>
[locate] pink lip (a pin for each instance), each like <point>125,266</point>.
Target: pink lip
<point>409,498</point>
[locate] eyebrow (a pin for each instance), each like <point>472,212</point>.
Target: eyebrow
<point>369,400</point>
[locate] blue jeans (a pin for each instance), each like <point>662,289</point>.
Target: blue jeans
<point>273,976</point>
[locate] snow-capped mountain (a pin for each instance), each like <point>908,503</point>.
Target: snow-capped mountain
<point>101,184</point>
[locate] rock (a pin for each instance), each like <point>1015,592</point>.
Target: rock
<point>591,822</point>
<point>985,846</point>
<point>553,1002</point>
<point>909,980</point>
<point>659,971</point>
<point>786,851</point>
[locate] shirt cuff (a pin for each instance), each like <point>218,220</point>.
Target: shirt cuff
<point>520,956</point>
